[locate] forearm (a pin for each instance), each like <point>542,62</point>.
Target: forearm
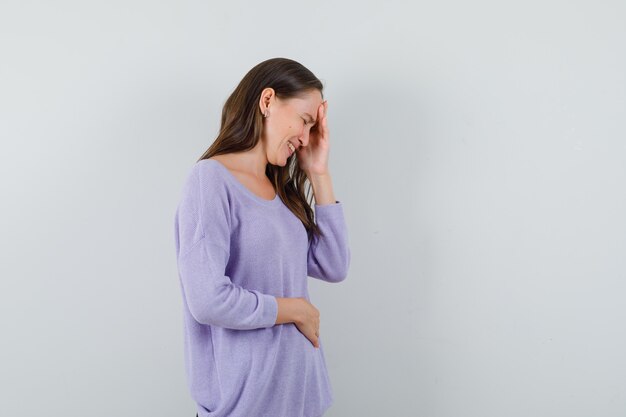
<point>322,188</point>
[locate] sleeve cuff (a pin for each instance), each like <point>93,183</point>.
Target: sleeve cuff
<point>331,209</point>
<point>270,309</point>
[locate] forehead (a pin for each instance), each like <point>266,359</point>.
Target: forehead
<point>308,105</point>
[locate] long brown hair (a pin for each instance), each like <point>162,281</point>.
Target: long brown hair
<point>242,123</point>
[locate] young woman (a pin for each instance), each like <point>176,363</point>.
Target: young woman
<point>247,238</point>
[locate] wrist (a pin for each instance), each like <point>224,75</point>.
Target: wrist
<point>288,310</point>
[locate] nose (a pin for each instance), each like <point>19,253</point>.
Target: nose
<point>304,138</point>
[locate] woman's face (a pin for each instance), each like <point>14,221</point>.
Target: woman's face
<point>288,121</point>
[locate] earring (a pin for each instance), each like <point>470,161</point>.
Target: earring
<point>266,113</point>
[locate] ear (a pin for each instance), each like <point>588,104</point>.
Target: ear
<point>267,99</point>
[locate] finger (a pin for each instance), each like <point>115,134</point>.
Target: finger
<point>324,126</point>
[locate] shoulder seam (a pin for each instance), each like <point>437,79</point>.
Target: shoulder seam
<point>222,183</point>
<point>200,209</point>
<point>192,247</point>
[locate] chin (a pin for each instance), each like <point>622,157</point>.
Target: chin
<point>285,162</point>
<point>280,162</point>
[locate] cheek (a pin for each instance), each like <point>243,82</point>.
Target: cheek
<point>277,130</point>
<point>282,129</point>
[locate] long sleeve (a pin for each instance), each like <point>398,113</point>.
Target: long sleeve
<point>236,253</point>
<point>328,256</point>
<point>202,228</point>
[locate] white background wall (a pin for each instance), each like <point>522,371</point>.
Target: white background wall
<point>479,149</point>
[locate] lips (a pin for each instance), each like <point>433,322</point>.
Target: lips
<point>291,148</point>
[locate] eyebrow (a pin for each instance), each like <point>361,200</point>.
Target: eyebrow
<point>312,120</point>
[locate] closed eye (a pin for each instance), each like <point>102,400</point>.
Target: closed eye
<point>307,122</point>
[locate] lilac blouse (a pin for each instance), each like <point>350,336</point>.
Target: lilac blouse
<point>236,252</point>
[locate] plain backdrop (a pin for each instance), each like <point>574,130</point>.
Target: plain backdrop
<point>479,149</point>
